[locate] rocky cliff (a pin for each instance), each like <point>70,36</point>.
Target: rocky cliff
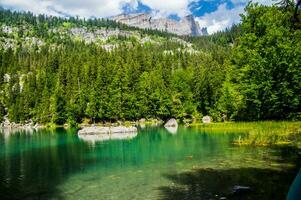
<point>186,26</point>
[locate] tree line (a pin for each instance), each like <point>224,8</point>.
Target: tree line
<point>249,72</point>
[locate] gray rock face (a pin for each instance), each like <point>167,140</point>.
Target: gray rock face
<point>103,34</point>
<point>204,31</point>
<point>100,36</point>
<point>186,26</point>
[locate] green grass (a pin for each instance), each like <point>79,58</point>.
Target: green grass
<point>258,133</point>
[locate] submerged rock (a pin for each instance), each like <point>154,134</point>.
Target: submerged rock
<point>238,189</point>
<point>171,123</point>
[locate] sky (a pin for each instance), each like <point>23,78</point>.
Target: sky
<point>216,15</point>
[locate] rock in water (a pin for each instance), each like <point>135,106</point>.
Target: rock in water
<point>171,123</point>
<point>142,120</point>
<point>95,133</point>
<point>103,137</point>
<point>123,129</point>
<point>238,189</point>
<point>94,130</point>
<point>206,120</point>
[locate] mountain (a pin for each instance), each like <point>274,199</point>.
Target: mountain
<point>186,26</point>
<point>18,29</point>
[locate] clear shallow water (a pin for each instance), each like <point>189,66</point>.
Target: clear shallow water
<point>154,165</point>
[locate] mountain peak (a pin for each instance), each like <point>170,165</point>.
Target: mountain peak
<point>186,26</point>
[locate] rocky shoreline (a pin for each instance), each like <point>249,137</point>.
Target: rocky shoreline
<point>86,128</point>
<point>6,124</point>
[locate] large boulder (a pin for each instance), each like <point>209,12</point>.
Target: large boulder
<point>104,137</point>
<point>142,120</point>
<point>206,119</point>
<point>171,123</point>
<point>123,129</point>
<point>94,134</point>
<point>94,130</point>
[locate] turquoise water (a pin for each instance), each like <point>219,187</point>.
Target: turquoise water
<point>155,164</point>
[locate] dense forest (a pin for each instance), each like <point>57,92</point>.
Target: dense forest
<point>249,72</point>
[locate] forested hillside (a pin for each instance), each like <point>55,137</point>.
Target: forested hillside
<point>67,70</point>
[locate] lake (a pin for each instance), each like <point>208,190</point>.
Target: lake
<point>156,164</point>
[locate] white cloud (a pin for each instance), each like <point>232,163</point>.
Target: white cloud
<point>167,7</point>
<point>214,21</point>
<point>83,8</point>
<point>133,4</point>
<point>221,18</point>
<point>99,8</point>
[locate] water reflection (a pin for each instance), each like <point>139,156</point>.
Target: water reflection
<point>7,131</point>
<point>33,163</point>
<point>104,137</point>
<point>59,165</point>
<point>142,126</point>
<point>172,130</point>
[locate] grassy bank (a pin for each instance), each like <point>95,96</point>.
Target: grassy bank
<point>258,133</point>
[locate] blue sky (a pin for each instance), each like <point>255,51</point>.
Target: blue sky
<point>216,15</point>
